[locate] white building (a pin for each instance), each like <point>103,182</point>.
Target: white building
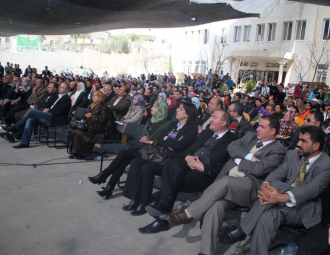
<point>274,48</point>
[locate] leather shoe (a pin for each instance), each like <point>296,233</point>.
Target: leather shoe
<point>9,137</point>
<point>178,218</point>
<point>9,129</point>
<point>201,254</point>
<point>131,206</point>
<point>106,192</point>
<point>231,236</point>
<point>98,179</point>
<point>140,210</point>
<point>155,227</point>
<point>71,156</point>
<point>21,145</point>
<point>78,156</point>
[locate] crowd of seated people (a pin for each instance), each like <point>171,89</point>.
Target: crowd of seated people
<point>267,150</point>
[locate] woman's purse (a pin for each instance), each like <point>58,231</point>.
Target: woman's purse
<point>150,153</point>
<point>80,124</point>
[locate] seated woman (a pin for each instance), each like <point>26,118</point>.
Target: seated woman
<point>134,113</point>
<point>79,99</point>
<point>287,125</point>
<point>197,103</point>
<point>177,137</point>
<point>153,128</point>
<point>81,143</point>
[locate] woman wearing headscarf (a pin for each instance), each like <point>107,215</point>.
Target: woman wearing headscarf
<point>162,96</point>
<point>79,99</point>
<point>197,103</point>
<point>81,142</point>
<point>152,129</point>
<point>134,113</point>
<point>287,125</point>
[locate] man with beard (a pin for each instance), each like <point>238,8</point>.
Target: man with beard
<point>289,195</point>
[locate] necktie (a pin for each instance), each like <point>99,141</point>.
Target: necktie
<point>300,179</point>
<point>259,144</point>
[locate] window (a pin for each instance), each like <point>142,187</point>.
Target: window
<point>260,32</point>
<point>276,65</point>
<point>7,39</point>
<point>271,32</point>
<point>287,31</point>
<point>249,64</point>
<point>185,37</point>
<point>237,34</point>
<point>326,31</point>
<point>198,36</point>
<point>190,67</point>
<point>196,66</point>
<point>223,35</point>
<point>203,68</point>
<point>192,37</point>
<point>321,75</point>
<point>206,36</point>
<point>247,33</point>
<point>301,28</point>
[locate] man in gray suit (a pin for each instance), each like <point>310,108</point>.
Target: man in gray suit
<point>253,157</point>
<point>289,195</point>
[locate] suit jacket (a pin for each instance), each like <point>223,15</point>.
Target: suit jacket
<point>37,97</point>
<point>185,137</point>
<point>121,108</point>
<point>270,156</point>
<point>243,127</point>
<point>219,154</point>
<point>61,110</point>
<point>316,180</point>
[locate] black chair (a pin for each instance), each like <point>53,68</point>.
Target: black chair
<point>61,131</point>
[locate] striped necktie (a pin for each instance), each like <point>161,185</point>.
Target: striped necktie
<point>300,179</point>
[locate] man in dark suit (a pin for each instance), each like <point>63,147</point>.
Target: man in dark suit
<point>252,158</point>
<point>57,114</point>
<point>195,171</point>
<point>239,124</point>
<point>290,194</point>
<point>120,104</point>
<point>214,104</point>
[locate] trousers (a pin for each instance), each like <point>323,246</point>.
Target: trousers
<point>31,118</point>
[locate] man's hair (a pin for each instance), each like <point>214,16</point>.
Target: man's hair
<point>281,106</point>
<point>239,95</point>
<point>238,107</point>
<point>124,82</point>
<point>55,85</point>
<point>42,80</point>
<point>146,98</point>
<point>272,106</point>
<point>226,116</point>
<point>219,101</point>
<point>258,99</point>
<point>318,116</point>
<point>55,78</point>
<point>67,85</point>
<point>295,107</point>
<point>46,79</point>
<point>273,122</point>
<point>127,90</point>
<point>179,91</point>
<point>191,111</point>
<point>316,134</point>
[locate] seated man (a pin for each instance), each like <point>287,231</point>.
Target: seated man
<point>252,158</point>
<point>289,195</point>
<point>57,114</point>
<point>195,171</point>
<point>239,124</point>
<point>214,104</point>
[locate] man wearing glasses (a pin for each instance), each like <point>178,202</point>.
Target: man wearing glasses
<point>57,114</point>
<point>314,118</point>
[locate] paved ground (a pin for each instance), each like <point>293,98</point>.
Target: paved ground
<point>45,210</point>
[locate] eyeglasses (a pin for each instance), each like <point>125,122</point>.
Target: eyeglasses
<point>309,120</point>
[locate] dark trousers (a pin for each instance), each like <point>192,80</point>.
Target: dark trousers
<point>140,180</point>
<point>118,166</point>
<point>315,241</point>
<point>10,116</point>
<point>177,176</point>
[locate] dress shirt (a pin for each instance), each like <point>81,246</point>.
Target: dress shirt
<point>117,101</point>
<point>239,119</point>
<point>250,155</point>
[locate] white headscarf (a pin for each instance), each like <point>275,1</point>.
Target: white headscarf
<point>82,89</point>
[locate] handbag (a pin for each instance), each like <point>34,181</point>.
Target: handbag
<point>157,154</point>
<point>80,124</point>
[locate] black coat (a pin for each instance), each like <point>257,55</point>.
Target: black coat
<point>243,127</point>
<point>61,110</point>
<point>219,154</point>
<point>185,137</point>
<point>81,102</point>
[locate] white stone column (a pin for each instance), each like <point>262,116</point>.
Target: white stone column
<point>280,73</point>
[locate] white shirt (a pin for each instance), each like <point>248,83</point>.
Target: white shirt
<point>292,198</point>
<point>59,97</point>
<point>239,119</point>
<point>250,155</point>
<point>220,135</point>
<point>117,101</point>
